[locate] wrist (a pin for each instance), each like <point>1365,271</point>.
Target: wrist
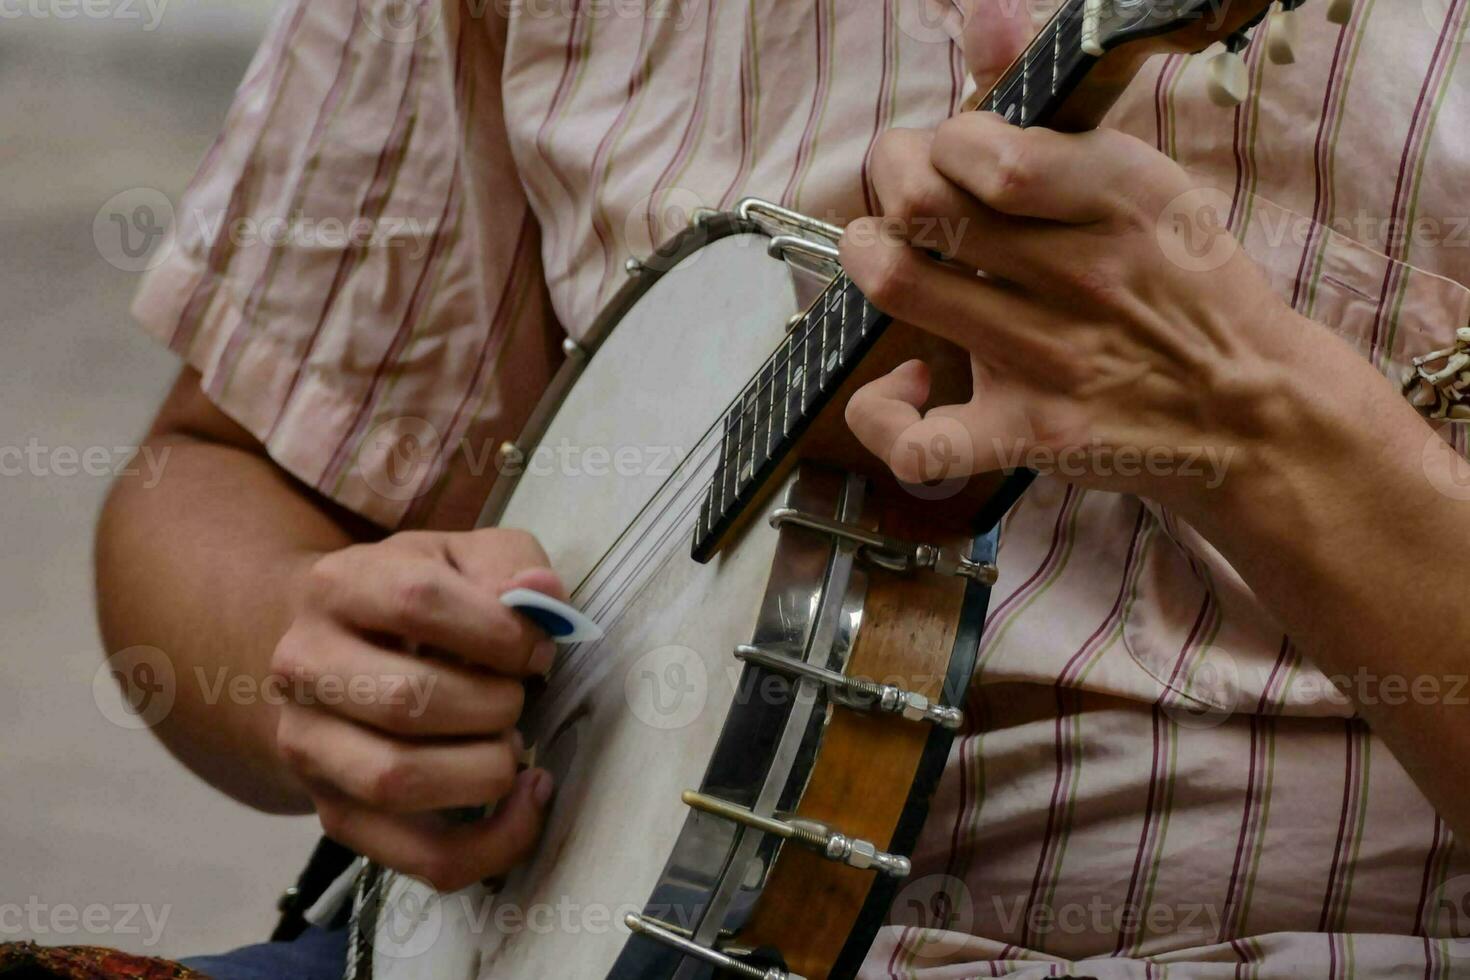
<point>1340,484</point>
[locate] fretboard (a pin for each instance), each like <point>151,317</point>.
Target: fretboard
<point>820,352</point>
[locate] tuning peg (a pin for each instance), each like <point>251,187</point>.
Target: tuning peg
<point>1340,11</point>
<point>1229,79</point>
<point>1284,34</point>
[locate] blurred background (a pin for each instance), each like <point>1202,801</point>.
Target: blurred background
<point>100,97</point>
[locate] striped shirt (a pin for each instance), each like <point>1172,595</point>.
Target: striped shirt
<point>1156,780</point>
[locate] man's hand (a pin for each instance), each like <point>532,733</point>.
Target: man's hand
<point>404,672</point>
<point>1114,325</point>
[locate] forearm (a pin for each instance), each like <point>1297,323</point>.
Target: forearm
<point>1341,523</point>
<point>204,566</point>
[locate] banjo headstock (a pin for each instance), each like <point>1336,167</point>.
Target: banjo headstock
<point>1110,24</point>
<point>1120,34</point>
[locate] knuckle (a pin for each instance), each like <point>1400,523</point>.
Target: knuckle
<point>1098,282</point>
<point>499,775</point>
<point>393,778</point>
<point>506,702</point>
<point>334,820</point>
<point>1013,177</point>
<point>322,579</point>
<point>417,599</point>
<point>397,712</point>
<point>919,196</point>
<point>892,279</point>
<point>510,540</point>
<point>289,657</point>
<point>291,748</point>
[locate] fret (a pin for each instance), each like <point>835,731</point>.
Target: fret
<point>841,330</point>
<point>822,352</point>
<point>812,360</point>
<point>852,300</point>
<point>1025,83</point>
<point>777,400</point>
<point>745,444</point>
<point>762,444</point>
<point>1056,54</point>
<point>788,358</point>
<point>796,366</point>
<point>725,474</point>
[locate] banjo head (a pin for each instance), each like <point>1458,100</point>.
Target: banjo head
<point>712,679</point>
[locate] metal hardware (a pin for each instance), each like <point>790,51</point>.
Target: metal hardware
<point>891,553</point>
<point>700,217</point>
<point>573,350</point>
<point>654,929</point>
<point>1437,384</point>
<point>851,851</point>
<point>508,456</point>
<point>753,208</point>
<point>857,693</point>
<point>632,267</point>
<point>794,321</point>
<point>781,245</point>
<point>823,622</point>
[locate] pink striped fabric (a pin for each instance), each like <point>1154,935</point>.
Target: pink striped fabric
<point>1156,783</point>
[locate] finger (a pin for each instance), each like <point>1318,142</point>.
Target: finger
<point>427,603</point>
<point>948,442</point>
<point>881,411</point>
<point>989,319</point>
<point>393,775</point>
<point>393,692</point>
<point>995,33</point>
<point>448,856</point>
<point>495,557</point>
<point>930,212</point>
<point>1038,173</point>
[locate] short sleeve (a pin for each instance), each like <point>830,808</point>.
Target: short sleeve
<point>354,270</point>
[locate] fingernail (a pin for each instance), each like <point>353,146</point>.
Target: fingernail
<point>517,743</point>
<point>543,787</point>
<point>542,655</point>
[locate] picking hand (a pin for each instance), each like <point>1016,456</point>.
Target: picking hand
<point>411,671</point>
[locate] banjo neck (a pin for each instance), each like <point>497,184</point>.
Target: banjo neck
<point>1067,78</point>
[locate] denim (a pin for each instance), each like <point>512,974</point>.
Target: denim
<point>317,954</point>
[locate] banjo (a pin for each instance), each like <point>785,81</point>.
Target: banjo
<point>744,760</point>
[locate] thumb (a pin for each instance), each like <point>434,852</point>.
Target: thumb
<point>996,32</point>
